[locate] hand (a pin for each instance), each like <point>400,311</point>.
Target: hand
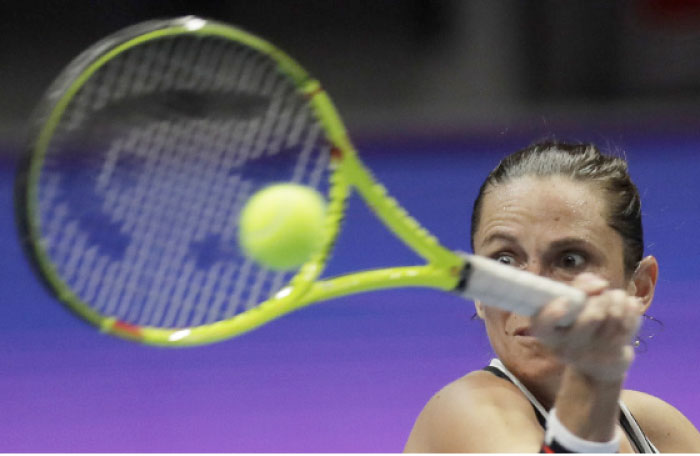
<point>598,344</point>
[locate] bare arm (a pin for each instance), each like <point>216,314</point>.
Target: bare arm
<point>597,351</point>
<point>482,413</point>
<point>588,407</point>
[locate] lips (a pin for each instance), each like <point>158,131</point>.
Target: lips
<point>523,331</point>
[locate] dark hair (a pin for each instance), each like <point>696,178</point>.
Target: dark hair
<point>580,162</point>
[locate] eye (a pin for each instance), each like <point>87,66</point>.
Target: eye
<point>572,260</point>
<point>505,258</point>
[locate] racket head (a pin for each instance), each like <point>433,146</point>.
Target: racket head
<point>143,152</point>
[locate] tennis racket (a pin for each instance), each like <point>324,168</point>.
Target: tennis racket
<point>144,151</point>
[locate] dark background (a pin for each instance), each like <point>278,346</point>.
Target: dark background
<point>434,92</point>
<point>402,65</point>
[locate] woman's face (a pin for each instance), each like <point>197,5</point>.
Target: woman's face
<point>554,227</point>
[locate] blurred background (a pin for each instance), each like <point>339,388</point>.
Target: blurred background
<point>434,92</point>
<point>415,64</point>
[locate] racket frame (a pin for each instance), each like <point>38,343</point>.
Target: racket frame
<point>443,270</point>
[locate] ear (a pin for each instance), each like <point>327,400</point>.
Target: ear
<point>479,309</point>
<point>643,282</point>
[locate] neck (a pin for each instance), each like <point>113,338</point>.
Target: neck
<point>544,382</point>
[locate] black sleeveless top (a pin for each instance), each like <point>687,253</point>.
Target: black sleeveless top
<point>640,443</point>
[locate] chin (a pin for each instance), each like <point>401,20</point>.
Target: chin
<point>537,367</point>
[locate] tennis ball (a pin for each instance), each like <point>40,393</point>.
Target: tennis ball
<point>282,226</point>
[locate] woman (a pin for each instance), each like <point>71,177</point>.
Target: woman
<point>572,214</point>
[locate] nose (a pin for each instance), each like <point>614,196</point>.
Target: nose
<point>534,266</point>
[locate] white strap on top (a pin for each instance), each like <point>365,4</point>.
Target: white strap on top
<point>641,438</point>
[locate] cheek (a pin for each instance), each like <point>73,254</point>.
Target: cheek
<point>501,324</point>
<point>495,320</point>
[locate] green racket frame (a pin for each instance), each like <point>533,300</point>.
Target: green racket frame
<point>441,271</point>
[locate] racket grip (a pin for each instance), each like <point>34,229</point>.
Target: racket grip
<point>515,290</point>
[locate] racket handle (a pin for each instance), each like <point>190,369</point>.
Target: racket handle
<point>514,290</point>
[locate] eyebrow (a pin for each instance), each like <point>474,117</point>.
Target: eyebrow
<point>500,237</point>
<point>571,241</point>
<point>558,244</point>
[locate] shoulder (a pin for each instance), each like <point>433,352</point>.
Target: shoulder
<point>476,413</point>
<point>667,428</point>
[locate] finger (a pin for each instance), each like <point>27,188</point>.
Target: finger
<point>612,318</point>
<point>633,319</point>
<point>544,324</point>
<point>590,283</point>
<point>600,325</point>
<point>604,315</point>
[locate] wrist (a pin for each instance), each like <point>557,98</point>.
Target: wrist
<point>610,370</point>
<point>558,439</point>
<point>602,378</point>
<point>588,406</point>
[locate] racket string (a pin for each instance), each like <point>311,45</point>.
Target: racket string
<point>167,188</point>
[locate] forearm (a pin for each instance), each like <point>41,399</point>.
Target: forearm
<point>587,407</point>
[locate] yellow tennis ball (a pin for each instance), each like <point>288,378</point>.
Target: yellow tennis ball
<point>282,226</point>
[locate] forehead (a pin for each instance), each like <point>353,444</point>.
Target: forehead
<point>555,205</point>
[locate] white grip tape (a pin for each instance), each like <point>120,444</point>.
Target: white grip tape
<point>508,288</point>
